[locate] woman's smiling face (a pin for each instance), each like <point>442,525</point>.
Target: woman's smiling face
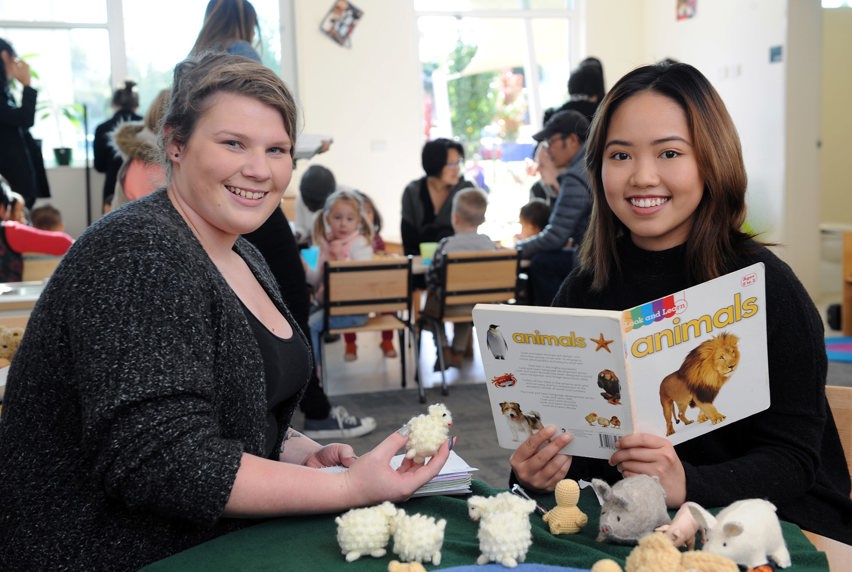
<point>234,169</point>
<point>650,171</point>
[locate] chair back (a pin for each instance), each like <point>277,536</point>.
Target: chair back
<point>840,401</point>
<point>367,286</point>
<point>480,277</point>
<point>39,266</point>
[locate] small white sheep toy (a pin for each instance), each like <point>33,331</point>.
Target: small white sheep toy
<point>362,531</point>
<point>428,432</point>
<point>505,533</point>
<point>418,538</point>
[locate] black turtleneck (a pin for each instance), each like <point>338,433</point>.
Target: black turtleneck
<point>789,454</point>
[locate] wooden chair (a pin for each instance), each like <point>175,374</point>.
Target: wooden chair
<point>468,278</point>
<point>380,288</point>
<point>846,307</point>
<point>840,401</point>
<point>39,266</point>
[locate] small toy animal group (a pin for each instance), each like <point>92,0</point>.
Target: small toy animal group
<point>367,531</point>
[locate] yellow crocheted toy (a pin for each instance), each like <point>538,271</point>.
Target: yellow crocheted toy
<point>656,553</point>
<point>566,517</point>
<point>397,566</point>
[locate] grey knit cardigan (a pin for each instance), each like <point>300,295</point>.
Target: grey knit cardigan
<point>135,390</point>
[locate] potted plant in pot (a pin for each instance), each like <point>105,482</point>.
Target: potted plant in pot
<point>69,114</point>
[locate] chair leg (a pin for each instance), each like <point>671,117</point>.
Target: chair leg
<point>402,353</point>
<point>439,343</point>
<point>417,337</point>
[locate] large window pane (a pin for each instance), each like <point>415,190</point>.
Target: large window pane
<point>486,82</point>
<point>154,43</point>
<point>75,12</point>
<point>72,68</point>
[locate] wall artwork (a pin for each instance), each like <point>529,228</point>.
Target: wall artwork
<point>686,9</point>
<point>340,21</point>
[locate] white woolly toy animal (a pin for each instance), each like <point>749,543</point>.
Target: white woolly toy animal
<point>428,432</point>
<point>362,531</point>
<point>504,528</point>
<point>418,538</point>
<point>746,531</point>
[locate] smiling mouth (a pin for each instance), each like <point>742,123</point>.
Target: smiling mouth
<point>648,202</point>
<point>244,193</point>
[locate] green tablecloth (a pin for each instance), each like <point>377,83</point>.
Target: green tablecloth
<point>309,543</point>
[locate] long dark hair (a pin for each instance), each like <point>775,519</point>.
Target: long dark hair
<point>717,227</point>
<point>226,21</point>
<point>5,46</point>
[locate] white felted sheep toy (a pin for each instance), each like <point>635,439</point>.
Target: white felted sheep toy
<point>363,531</point>
<point>504,528</point>
<point>418,538</point>
<point>428,432</point>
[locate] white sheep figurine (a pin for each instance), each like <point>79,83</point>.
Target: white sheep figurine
<point>505,533</point>
<point>428,432</point>
<point>418,538</point>
<point>367,530</point>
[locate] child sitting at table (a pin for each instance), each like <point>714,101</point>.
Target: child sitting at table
<point>468,213</point>
<point>533,217</point>
<point>342,232</point>
<point>375,219</point>
<point>47,217</point>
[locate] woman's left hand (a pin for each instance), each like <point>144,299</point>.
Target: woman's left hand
<point>646,454</point>
<point>331,455</point>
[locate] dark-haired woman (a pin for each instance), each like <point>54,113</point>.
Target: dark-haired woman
<point>21,163</point>
<point>427,201</point>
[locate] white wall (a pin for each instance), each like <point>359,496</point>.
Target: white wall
<point>368,97</point>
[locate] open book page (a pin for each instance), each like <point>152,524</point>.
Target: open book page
<point>542,367</point>
<point>602,374</point>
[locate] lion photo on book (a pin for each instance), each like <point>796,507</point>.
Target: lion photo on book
<point>697,382</point>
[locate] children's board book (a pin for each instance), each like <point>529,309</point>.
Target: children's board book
<point>680,366</point>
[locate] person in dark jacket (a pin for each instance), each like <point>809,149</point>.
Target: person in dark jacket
<point>551,251</point>
<point>108,160</point>
<point>21,162</point>
<point>669,186</point>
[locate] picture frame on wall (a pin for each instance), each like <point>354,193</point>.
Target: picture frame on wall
<point>340,22</point>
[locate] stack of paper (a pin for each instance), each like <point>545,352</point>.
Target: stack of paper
<point>454,478</point>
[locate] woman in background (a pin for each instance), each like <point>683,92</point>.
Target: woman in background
<point>427,202</point>
<point>230,26</point>
<point>125,101</point>
<point>21,162</point>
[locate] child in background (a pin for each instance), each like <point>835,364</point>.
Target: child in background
<point>533,217</point>
<point>669,188</point>
<point>342,232</point>
<point>375,218</point>
<point>17,237</point>
<point>47,217</point>
<point>468,213</point>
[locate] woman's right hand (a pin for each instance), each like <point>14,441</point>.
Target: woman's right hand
<point>537,462</point>
<point>22,72</point>
<point>371,479</point>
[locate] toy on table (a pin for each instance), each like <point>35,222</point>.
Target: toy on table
<point>682,529</point>
<point>418,538</point>
<point>505,533</point>
<point>10,339</point>
<point>746,531</point>
<point>632,508</point>
<point>656,553</point>
<point>362,531</point>
<point>427,432</point>
<point>566,517</point>
<point>397,566</point>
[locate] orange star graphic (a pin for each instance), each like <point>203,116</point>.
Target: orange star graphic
<point>602,344</point>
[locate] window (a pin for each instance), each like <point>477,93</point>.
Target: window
<point>68,46</point>
<point>489,70</point>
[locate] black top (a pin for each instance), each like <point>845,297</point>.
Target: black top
<point>790,453</point>
<point>281,358</point>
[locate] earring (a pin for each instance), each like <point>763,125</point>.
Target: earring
<point>177,155</point>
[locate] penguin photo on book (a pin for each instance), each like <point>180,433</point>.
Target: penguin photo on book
<point>495,342</point>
